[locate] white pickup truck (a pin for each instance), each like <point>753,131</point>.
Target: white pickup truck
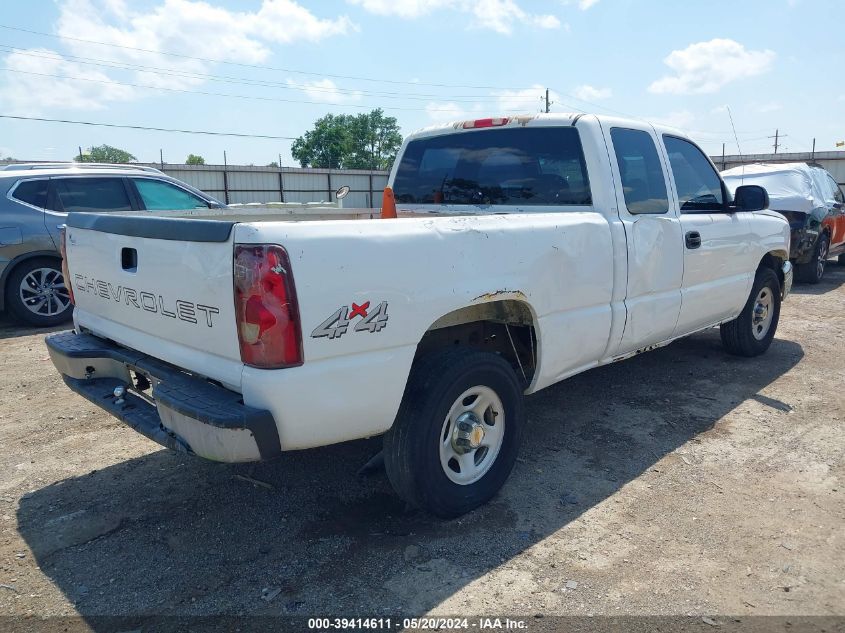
<point>526,250</point>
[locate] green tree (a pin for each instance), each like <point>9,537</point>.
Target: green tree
<point>272,164</point>
<point>365,141</point>
<point>375,140</point>
<point>193,159</point>
<point>105,154</point>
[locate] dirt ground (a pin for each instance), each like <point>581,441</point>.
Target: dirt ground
<point>683,481</point>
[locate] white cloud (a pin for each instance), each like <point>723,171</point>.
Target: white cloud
<point>530,99</point>
<point>325,90</point>
<point>27,91</point>
<point>590,93</point>
<point>440,112</point>
<point>707,66</point>
<point>497,15</point>
<point>193,28</point>
<point>769,106</point>
<point>586,4</point>
<point>680,119</point>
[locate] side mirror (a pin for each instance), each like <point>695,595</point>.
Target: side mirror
<point>751,198</point>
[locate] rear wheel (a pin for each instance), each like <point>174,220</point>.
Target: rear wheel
<point>36,293</point>
<point>751,333</point>
<point>457,433</point>
<point>813,271</point>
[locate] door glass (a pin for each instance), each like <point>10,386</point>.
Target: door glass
<point>698,184</point>
<point>639,166</point>
<point>161,196</point>
<point>32,192</point>
<point>92,194</point>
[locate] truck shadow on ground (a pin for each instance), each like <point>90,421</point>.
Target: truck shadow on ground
<point>11,329</point>
<point>834,277</point>
<point>168,535</point>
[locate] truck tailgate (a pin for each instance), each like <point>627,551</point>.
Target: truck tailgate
<point>162,286</point>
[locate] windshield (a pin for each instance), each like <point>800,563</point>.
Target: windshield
<point>520,166</point>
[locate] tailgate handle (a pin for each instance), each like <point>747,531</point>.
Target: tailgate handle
<point>129,259</point>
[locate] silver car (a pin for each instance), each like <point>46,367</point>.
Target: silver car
<point>34,202</point>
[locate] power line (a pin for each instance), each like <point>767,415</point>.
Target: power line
<point>216,94</point>
<point>147,128</point>
<point>89,61</point>
<point>245,65</point>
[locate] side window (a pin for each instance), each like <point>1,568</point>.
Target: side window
<point>698,184</point>
<point>837,192</point>
<point>32,192</point>
<point>161,196</point>
<point>642,175</point>
<point>92,194</point>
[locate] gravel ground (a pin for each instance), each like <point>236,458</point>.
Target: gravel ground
<point>683,481</point>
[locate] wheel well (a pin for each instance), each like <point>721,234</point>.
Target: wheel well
<point>15,263</point>
<point>503,327</point>
<point>773,260</point>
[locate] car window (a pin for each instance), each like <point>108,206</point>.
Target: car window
<point>92,194</point>
<point>32,192</point>
<point>525,166</point>
<point>158,195</point>
<point>643,183</point>
<point>837,192</point>
<point>698,185</point>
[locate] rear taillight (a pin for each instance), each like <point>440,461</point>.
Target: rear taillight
<point>265,307</point>
<point>65,273</point>
<point>495,122</point>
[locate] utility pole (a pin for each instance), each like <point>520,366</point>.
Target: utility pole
<point>778,136</point>
<point>723,157</point>
<point>161,157</point>
<point>80,153</point>
<point>547,101</point>
<point>813,155</point>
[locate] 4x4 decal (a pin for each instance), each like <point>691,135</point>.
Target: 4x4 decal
<point>338,323</point>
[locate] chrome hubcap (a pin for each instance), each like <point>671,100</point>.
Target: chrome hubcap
<point>761,318</point>
<point>472,435</point>
<point>43,292</point>
<point>822,258</point>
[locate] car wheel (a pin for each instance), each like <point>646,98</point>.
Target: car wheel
<point>458,431</point>
<point>751,333</point>
<point>813,271</point>
<point>36,293</point>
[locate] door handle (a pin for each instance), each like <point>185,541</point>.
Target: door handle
<point>693,239</point>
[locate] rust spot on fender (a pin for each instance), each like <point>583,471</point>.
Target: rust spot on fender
<point>498,294</point>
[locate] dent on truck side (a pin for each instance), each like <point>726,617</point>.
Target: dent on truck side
<point>424,270</point>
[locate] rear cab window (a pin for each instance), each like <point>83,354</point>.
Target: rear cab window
<point>91,194</point>
<point>540,166</point>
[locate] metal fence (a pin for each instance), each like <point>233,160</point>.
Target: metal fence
<point>246,183</point>
<point>834,162</point>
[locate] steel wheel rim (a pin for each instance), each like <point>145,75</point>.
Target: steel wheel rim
<point>822,257</point>
<point>481,408</point>
<point>42,292</point>
<point>763,313</point>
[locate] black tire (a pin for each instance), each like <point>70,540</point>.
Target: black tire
<point>813,271</point>
<point>412,447</point>
<point>16,304</point>
<point>738,336</point>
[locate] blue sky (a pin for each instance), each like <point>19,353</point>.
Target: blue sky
<point>775,63</point>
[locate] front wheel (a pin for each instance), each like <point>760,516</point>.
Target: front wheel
<point>751,333</point>
<point>813,271</point>
<point>457,434</point>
